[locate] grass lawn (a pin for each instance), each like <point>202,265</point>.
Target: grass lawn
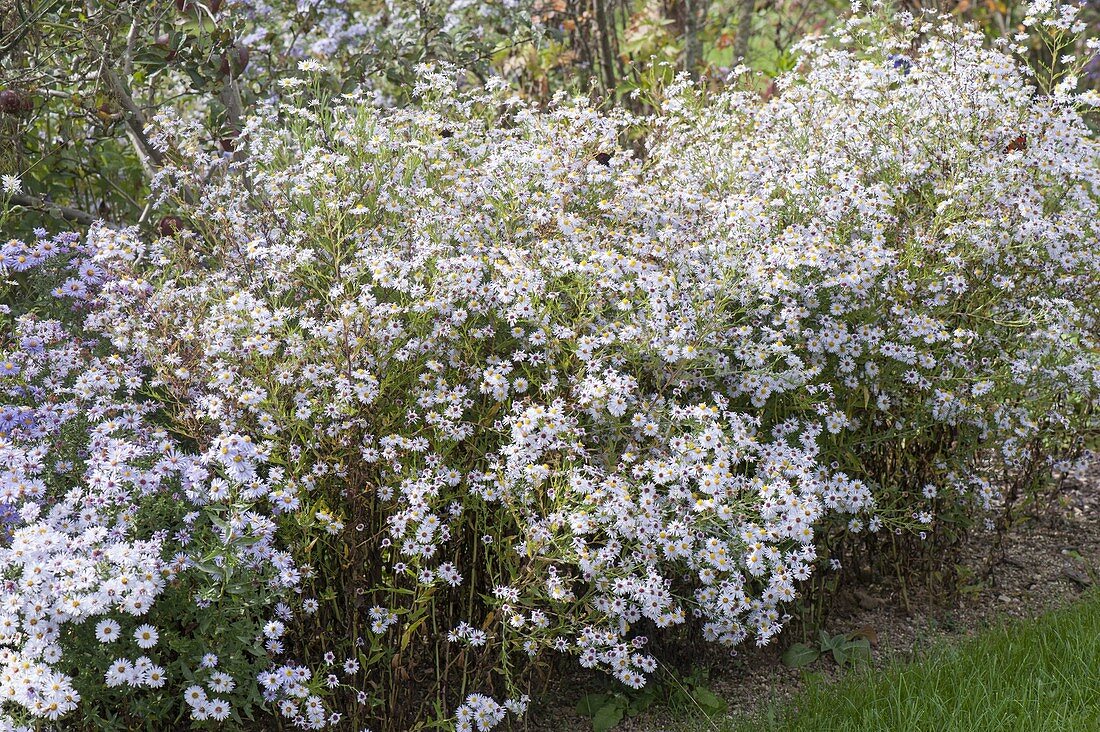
<point>1036,676</point>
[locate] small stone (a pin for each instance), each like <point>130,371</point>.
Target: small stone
<point>1005,598</point>
<point>1077,577</point>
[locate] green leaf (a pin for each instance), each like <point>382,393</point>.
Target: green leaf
<point>608,716</point>
<point>858,650</point>
<point>710,702</point>
<point>591,703</point>
<point>644,700</point>
<point>800,655</point>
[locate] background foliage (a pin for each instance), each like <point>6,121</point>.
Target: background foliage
<point>79,79</point>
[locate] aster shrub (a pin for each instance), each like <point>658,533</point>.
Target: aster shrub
<point>415,401</point>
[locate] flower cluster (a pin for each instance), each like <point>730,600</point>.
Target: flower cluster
<point>78,455</point>
<point>471,368</point>
<point>103,511</point>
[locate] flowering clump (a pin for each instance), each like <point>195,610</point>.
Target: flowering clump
<point>95,499</point>
<point>78,456</point>
<point>472,400</point>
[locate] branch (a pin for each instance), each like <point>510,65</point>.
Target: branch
<point>40,204</point>
<point>135,120</point>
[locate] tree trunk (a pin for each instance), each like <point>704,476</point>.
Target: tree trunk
<point>695,15</point>
<point>744,31</point>
<point>604,30</point>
